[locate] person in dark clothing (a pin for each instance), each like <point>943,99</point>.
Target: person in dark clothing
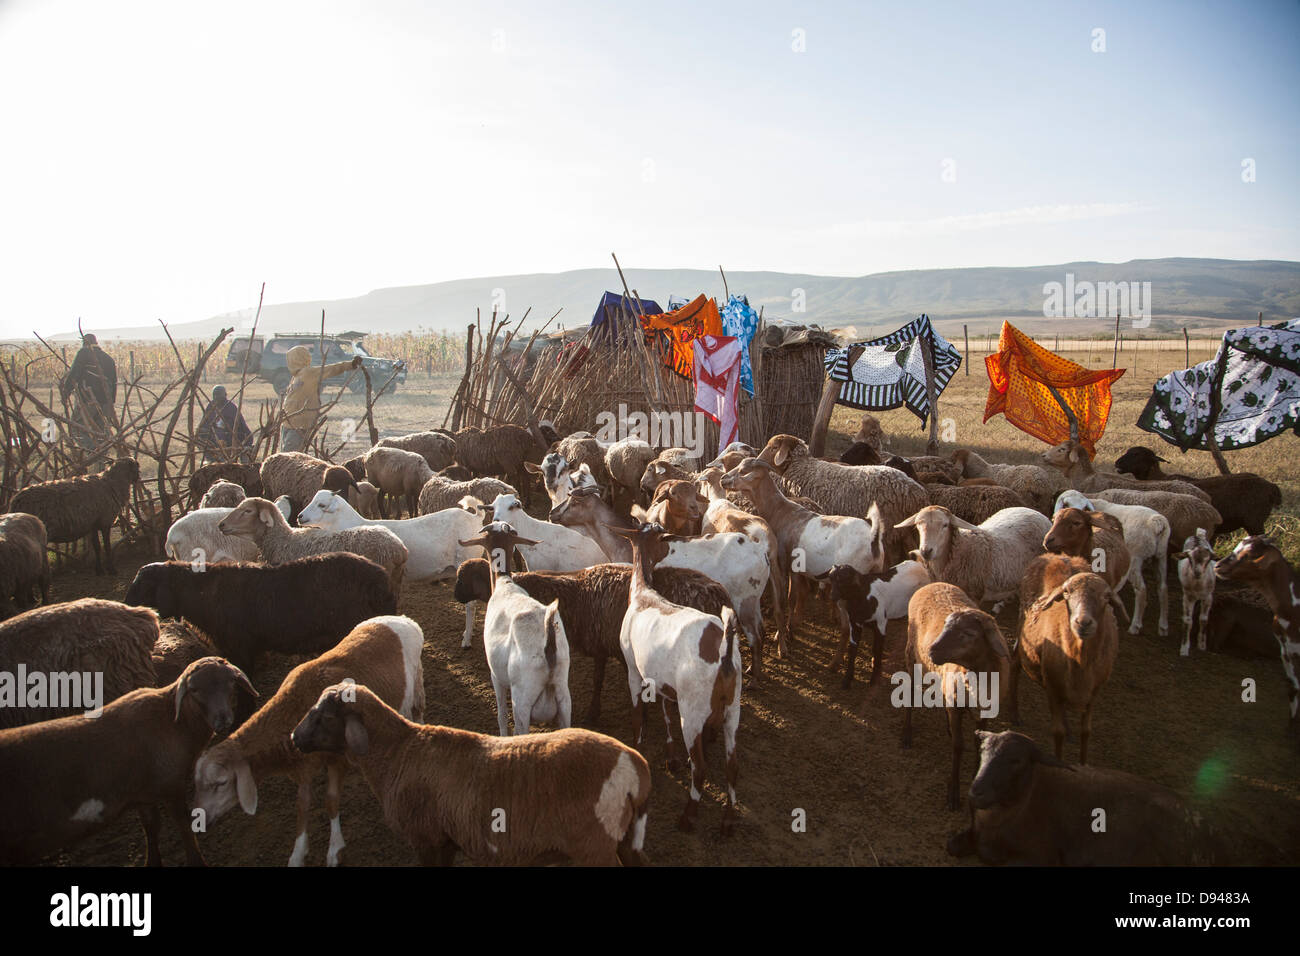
<point>92,381</point>
<point>223,427</point>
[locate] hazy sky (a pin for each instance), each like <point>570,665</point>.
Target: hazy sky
<point>163,159</point>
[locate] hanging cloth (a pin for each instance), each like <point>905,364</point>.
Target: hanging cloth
<point>1019,375</point>
<point>679,328</point>
<point>740,320</point>
<point>716,367</point>
<point>889,372</point>
<point>1250,391</point>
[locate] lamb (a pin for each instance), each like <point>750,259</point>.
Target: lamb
<point>626,462</point>
<point>367,503</point>
<point>196,537</point>
<point>1037,485</point>
<point>1094,536</point>
<point>300,476</point>
<point>731,456</point>
<point>437,449</point>
<point>243,607</point>
<point>692,659</point>
<point>593,601</point>
<point>76,776</point>
<point>69,644</point>
<point>948,635</point>
<point>848,490</point>
<point>810,544</point>
<point>248,477</point>
<point>1074,462</point>
<point>261,522</point>
<point>1183,512</point>
<point>660,471</point>
<point>553,547</point>
<point>1031,809</point>
<point>179,645</point>
<point>85,506</point>
<point>735,561</point>
<point>571,791</point>
<point>381,653</point>
<point>527,651</point>
<point>1196,575</point>
<point>985,560</point>
<point>222,494</point>
<point>1257,561</point>
<point>873,600</point>
<point>1244,500</point>
<point>441,493</point>
<point>974,504</point>
<point>24,563</point>
<point>1069,641</point>
<point>397,474</point>
<point>1146,535</point>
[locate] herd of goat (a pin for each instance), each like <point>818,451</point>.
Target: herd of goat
<point>647,555</point>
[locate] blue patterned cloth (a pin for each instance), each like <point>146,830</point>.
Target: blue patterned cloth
<point>740,320</point>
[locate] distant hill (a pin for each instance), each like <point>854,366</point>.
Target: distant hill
<point>1205,294</point>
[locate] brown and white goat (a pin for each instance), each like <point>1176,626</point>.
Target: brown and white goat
<point>1196,575</point>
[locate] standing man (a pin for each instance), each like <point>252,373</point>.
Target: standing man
<point>301,402</point>
<point>92,381</point>
<point>223,428</point>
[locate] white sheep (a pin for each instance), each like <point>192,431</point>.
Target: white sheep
<point>1196,575</point>
<point>196,537</point>
<point>527,651</point>
<point>1146,534</point>
<point>985,561</point>
<point>261,522</point>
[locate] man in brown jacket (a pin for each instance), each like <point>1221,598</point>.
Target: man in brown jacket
<point>301,402</point>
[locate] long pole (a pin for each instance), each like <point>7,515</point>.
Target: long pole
<point>966,338</point>
<point>1114,357</point>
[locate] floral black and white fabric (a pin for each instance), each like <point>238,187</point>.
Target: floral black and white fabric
<point>1249,392</point>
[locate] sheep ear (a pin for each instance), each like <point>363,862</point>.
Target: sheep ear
<point>1181,556</point>
<point>532,469</point>
<point>908,522</point>
<point>355,736</point>
<point>996,641</point>
<point>242,681</point>
<point>472,542</point>
<point>782,453</point>
<point>181,686</point>
<point>640,514</point>
<point>265,514</point>
<point>962,523</point>
<point>1118,605</point>
<point>1056,594</point>
<point>246,787</point>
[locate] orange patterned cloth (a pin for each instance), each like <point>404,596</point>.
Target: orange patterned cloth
<point>681,328</point>
<point>1019,375</point>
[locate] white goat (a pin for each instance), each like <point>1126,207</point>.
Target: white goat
<point>1196,575</point>
<point>1146,535</point>
<point>524,640</point>
<point>551,547</point>
<point>687,656</point>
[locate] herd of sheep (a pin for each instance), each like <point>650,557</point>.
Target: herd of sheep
<point>646,555</point>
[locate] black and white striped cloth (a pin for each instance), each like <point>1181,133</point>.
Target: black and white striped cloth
<point>890,371</point>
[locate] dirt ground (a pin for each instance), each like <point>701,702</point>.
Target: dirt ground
<point>806,745</point>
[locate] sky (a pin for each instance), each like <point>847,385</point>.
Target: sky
<point>162,160</point>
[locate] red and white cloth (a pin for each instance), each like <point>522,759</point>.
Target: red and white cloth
<point>717,381</point>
